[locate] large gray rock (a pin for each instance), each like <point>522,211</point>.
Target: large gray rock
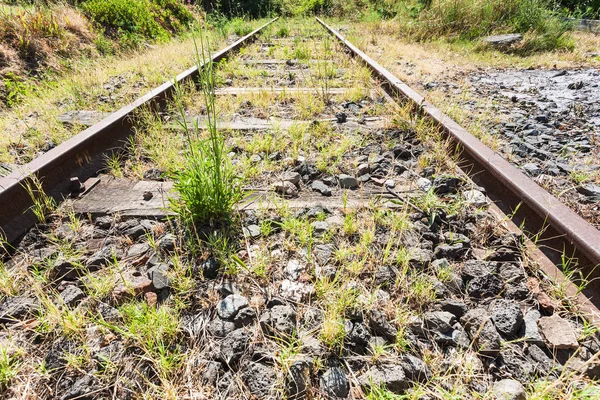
<point>439,321</point>
<point>16,308</point>
<point>484,286</point>
<point>233,347</point>
<point>482,331</point>
<point>220,328</point>
<point>159,277</point>
<point>71,295</point>
<point>507,317</point>
<point>334,383</point>
<point>285,188</point>
<point>347,181</point>
<point>260,379</point>
<point>415,369</point>
<point>590,190</point>
<point>392,377</point>
<point>280,319</point>
<point>503,40</point>
<point>231,305</point>
<point>320,187</point>
<point>509,389</point>
<point>477,268</point>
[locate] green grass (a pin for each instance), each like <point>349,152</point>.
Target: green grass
<point>208,187</point>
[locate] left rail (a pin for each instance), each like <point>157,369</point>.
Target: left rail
<point>83,155</point>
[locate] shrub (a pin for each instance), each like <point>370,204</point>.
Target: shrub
<point>468,19</point>
<point>152,19</point>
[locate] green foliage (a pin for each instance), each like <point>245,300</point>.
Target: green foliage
<point>207,185</point>
<point>9,366</point>
<point>151,19</point>
<point>15,88</point>
<point>469,19</point>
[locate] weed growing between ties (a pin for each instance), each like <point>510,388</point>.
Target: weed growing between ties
<point>208,187</point>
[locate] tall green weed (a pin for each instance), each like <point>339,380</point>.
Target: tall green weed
<point>208,187</point>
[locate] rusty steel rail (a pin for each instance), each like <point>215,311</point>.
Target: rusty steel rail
<point>84,154</point>
<point>556,229</point>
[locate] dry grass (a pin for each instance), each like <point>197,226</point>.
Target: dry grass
<point>89,85</point>
<point>38,37</point>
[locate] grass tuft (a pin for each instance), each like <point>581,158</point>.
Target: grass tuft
<point>208,186</point>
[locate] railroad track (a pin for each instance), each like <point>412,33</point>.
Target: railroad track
<point>359,186</point>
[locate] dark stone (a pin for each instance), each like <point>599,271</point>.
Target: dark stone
<point>322,253</point>
<point>341,117</point>
<point>320,187</point>
<point>415,369</point>
<point>439,321</point>
<point>230,306</point>
<point>542,363</point>
<point>484,286</point>
<point>385,276</point>
<point>391,377</point>
<point>482,331</point>
<point>455,307</point>
<point>334,383</point>
<point>212,370</point>
<point>260,379</point>
<point>532,169</point>
<point>445,184</point>
<point>512,274</point>
<point>298,379</point>
<point>81,389</point>
<point>139,229</point>
<point>380,325</point>
<point>233,347</point>
<point>347,181</point>
<point>108,312</point>
<point>167,243</point>
<point>450,251</point>
<point>476,268</point>
<point>220,328</point>
<point>359,334</point>
<point>590,190</point>
<point>101,258</point>
<point>16,308</point>
<point>158,276</point>
<point>71,295</point>
<point>65,269</point>
<point>507,317</point>
<point>210,268</point>
<point>244,317</point>
<point>279,319</point>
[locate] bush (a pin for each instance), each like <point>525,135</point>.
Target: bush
<point>468,19</point>
<point>151,19</point>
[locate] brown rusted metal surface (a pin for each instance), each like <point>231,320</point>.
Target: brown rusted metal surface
<point>558,231</point>
<point>83,155</point>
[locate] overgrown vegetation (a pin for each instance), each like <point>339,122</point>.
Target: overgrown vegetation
<point>207,185</point>
<point>132,21</point>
